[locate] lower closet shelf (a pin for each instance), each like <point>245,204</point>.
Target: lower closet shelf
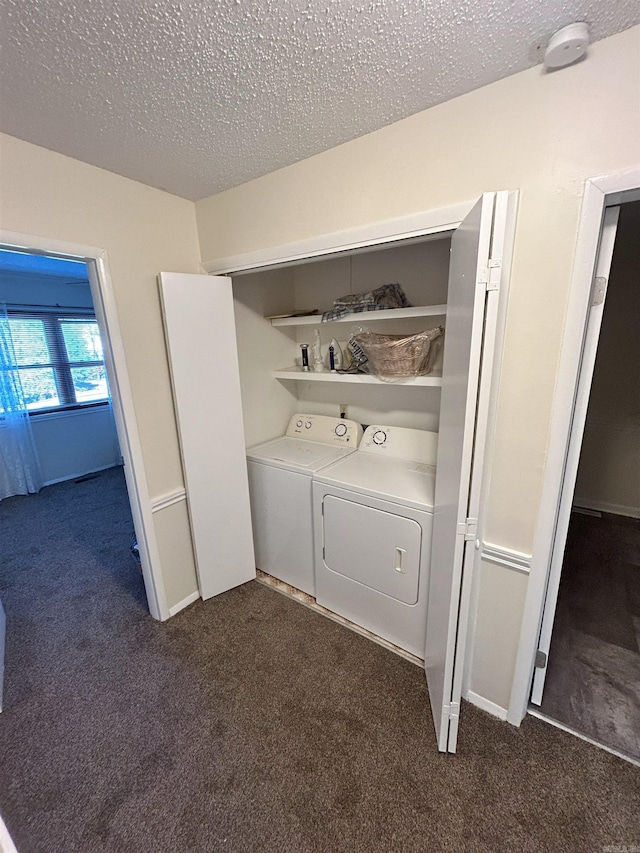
<point>298,375</point>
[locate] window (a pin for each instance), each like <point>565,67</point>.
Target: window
<point>59,358</point>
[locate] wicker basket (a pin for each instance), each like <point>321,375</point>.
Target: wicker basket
<point>399,355</point>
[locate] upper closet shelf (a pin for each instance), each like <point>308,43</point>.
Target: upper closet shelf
<point>362,316</point>
<point>297,374</point>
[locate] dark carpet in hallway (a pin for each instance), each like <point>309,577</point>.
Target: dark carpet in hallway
<point>249,723</point>
<point>593,678</point>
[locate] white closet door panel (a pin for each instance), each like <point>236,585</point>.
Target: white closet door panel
<point>470,248</point>
<point>201,344</point>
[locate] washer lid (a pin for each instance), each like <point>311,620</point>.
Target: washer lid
<point>397,480</point>
<point>294,454</point>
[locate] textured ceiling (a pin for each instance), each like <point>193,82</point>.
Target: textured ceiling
<point>196,96</point>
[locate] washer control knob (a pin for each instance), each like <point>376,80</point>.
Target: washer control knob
<point>299,424</point>
<point>379,437</point>
<point>340,430</point>
<point>308,425</point>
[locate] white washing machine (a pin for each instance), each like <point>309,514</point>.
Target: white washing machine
<point>280,477</point>
<point>373,515</point>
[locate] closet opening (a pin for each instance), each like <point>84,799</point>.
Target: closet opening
<point>391,528</point>
<point>587,676</point>
<point>274,389</point>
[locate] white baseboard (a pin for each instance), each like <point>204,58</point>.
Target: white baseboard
<point>614,509</point>
<point>184,603</point>
<point>83,474</point>
<point>486,705</point>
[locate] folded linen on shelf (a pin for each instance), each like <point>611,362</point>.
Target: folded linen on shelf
<point>382,298</point>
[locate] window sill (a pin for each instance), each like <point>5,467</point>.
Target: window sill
<point>65,411</point>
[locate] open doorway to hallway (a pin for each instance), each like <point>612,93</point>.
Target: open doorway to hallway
<point>592,683</point>
<point>64,507</point>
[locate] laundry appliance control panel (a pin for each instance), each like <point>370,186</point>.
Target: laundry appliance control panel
<point>325,430</point>
<point>415,445</point>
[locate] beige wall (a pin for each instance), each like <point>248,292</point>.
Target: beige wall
<point>609,470</point>
<point>267,404</point>
<point>144,231</point>
<point>541,133</point>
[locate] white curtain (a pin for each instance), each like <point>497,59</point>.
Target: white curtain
<point>19,467</point>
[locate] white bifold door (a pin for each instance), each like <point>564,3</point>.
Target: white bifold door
<point>199,323</point>
<point>477,248</point>
<point>200,332</point>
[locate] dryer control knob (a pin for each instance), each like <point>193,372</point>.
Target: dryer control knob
<point>341,430</point>
<point>299,424</point>
<point>308,425</point>
<point>379,437</point>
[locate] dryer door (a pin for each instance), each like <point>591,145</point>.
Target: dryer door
<point>378,549</point>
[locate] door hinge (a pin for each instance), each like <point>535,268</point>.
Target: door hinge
<point>468,529</point>
<point>493,278</point>
<point>454,710</point>
<point>490,275</point>
<point>598,290</point>
<point>541,660</point>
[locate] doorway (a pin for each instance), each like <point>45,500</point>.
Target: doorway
<point>590,679</point>
<point>97,266</point>
<point>54,341</point>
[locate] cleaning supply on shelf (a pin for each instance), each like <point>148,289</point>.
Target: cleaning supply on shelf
<point>305,357</point>
<point>332,361</point>
<point>337,356</point>
<point>316,350</point>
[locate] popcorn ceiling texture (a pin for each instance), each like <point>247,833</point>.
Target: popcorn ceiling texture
<point>197,96</point>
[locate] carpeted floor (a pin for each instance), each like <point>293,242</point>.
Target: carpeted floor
<point>249,723</point>
<point>593,678</point>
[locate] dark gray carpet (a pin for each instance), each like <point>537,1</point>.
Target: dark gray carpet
<point>249,723</point>
<point>593,678</point>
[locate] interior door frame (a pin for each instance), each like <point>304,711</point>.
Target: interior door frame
<point>429,222</point>
<point>599,193</point>
<point>578,423</point>
<point>121,399</point>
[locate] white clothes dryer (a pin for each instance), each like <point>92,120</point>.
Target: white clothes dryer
<point>373,514</point>
<point>280,477</point>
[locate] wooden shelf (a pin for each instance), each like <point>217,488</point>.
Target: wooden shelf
<point>297,375</point>
<point>362,316</point>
